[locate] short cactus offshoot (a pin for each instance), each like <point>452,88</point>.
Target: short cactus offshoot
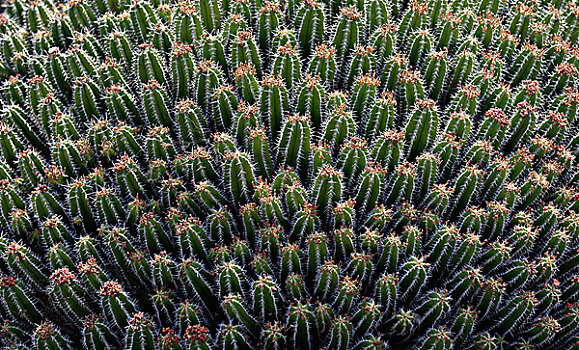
<point>289,174</point>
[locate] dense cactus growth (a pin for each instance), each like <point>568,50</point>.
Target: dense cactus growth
<point>289,174</point>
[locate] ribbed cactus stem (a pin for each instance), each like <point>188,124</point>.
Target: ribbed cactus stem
<point>295,144</point>
<point>47,336</point>
<point>17,300</point>
<point>421,128</point>
<point>347,32</point>
<point>245,51</point>
<point>274,103</point>
<point>323,62</point>
<point>310,97</point>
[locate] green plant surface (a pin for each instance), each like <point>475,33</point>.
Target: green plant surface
<point>289,174</point>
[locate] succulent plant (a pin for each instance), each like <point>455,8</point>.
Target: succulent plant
<point>304,174</point>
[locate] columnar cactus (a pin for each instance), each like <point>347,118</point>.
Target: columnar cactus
<point>422,128</point>
<point>310,24</point>
<point>303,174</point>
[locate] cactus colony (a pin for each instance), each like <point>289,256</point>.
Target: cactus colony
<point>243,174</point>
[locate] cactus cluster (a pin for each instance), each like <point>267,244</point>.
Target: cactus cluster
<point>303,174</point>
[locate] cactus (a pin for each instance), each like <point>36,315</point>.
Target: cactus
<point>274,103</point>
<point>323,63</point>
<point>245,51</point>
<point>296,174</point>
<point>47,336</point>
<point>68,294</point>
<point>327,279</point>
<point>116,305</point>
<point>348,31</point>
<point>294,143</point>
<point>96,333</point>
<point>422,128</point>
<point>310,22</point>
